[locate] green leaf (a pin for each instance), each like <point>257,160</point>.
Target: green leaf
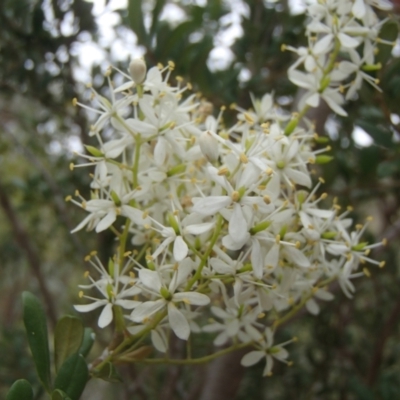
<point>156,13</point>
<point>36,330</point>
<point>87,342</point>
<point>136,20</point>
<point>59,395</point>
<point>68,337</point>
<point>20,390</point>
<point>108,373</point>
<point>72,376</point>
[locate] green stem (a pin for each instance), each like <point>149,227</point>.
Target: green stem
<point>200,360</point>
<point>204,259</point>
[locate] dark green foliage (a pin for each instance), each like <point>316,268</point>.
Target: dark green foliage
<point>20,390</point>
<point>36,331</point>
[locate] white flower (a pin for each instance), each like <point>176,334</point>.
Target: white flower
<point>167,297</point>
<point>267,350</point>
<point>115,290</point>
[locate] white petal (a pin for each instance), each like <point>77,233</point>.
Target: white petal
<point>91,306</point>
<point>180,249</point>
<point>150,279</point>
<point>323,45</point>
<point>272,257</point>
<point>127,304</point>
<point>141,127</point>
<point>146,310</point>
<point>198,229</point>
<point>252,358</point>
<point>256,259</point>
<point>297,257</point>
<point>313,100</point>
<point>298,177</point>
<point>238,224</point>
<point>333,103</point>
<point>210,205</point>
<point>135,215</point>
<point>347,41</point>
<point>159,341</point>
<point>194,298</point>
<point>178,322</point>
<point>106,316</point>
<point>312,307</point>
<point>107,221</point>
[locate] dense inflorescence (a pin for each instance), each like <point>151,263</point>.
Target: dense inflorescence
<point>224,221</point>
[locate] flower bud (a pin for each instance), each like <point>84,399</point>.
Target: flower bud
<point>209,146</point>
<point>138,69</point>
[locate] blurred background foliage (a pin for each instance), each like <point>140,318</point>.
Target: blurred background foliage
<point>226,50</point>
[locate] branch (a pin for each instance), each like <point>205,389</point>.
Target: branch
<point>23,240</point>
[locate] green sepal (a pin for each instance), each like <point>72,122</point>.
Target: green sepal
<point>359,246</point>
<point>20,390</point>
<point>68,337</point>
<point>94,151</point>
<point>87,341</point>
<point>371,67</point>
<point>178,169</point>
<point>260,227</point>
<point>322,139</point>
<point>283,231</point>
<point>36,330</point>
<point>59,395</point>
<point>72,376</point>
<point>329,235</point>
<point>323,159</point>
<point>115,198</point>
<point>173,223</point>
<point>108,373</point>
<point>291,126</point>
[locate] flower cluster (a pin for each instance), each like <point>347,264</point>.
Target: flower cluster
<point>227,220</point>
<point>338,27</point>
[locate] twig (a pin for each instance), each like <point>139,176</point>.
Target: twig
<point>23,239</point>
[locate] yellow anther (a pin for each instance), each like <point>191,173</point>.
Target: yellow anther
<point>80,294</point>
<point>366,272</point>
<point>267,199</point>
<point>382,264</point>
<point>223,171</point>
<point>74,101</point>
<point>71,166</point>
<point>235,195</point>
<point>243,158</point>
<point>249,119</point>
<point>68,198</point>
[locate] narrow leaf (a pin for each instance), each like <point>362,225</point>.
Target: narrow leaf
<point>158,7</point>
<point>68,337</point>
<point>72,376</point>
<point>36,330</point>
<point>87,341</point>
<point>136,20</point>
<point>20,390</point>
